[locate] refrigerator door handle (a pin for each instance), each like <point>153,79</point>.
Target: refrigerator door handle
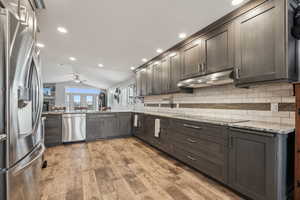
<point>18,169</point>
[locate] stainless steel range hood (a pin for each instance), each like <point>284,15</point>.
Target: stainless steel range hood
<point>219,78</point>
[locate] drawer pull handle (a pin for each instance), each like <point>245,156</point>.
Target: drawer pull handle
<point>191,158</point>
<point>191,140</point>
<point>191,126</point>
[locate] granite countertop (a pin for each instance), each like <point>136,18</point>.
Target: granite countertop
<point>275,128</point>
<point>266,127</point>
<point>269,127</point>
<point>86,112</point>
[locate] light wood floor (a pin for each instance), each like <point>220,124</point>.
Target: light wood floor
<point>123,169</point>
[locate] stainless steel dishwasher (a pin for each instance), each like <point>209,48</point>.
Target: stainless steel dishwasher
<point>73,128</point>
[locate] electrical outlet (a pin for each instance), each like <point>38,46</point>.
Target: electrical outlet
<point>274,107</point>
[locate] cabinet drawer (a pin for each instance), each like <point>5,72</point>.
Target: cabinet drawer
<point>213,151</point>
<point>217,171</point>
<point>202,131</point>
<point>92,116</point>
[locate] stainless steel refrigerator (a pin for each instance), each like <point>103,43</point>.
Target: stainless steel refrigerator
<point>21,102</point>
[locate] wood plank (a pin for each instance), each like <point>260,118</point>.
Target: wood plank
<point>123,169</point>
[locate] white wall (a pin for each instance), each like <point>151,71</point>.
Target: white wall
<point>123,104</point>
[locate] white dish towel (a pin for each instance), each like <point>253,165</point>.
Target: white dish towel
<point>157,128</point>
<point>136,119</point>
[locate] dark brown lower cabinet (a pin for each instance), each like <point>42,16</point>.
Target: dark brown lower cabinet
<point>138,125</point>
<point>53,130</point>
<point>108,125</point>
<point>258,165</point>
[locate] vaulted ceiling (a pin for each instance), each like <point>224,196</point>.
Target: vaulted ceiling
<point>116,33</point>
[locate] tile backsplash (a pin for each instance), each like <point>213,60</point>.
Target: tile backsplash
<point>273,102</point>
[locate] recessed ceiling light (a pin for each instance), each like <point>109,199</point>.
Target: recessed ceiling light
<point>62,30</point>
<point>159,50</point>
<point>100,65</point>
<point>72,58</point>
<point>236,2</point>
<point>40,45</point>
<point>182,35</point>
<point>144,60</point>
<point>132,68</point>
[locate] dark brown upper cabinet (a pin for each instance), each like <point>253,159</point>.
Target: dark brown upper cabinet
<point>138,83</point>
<point>144,82</point>
<point>165,76</point>
<point>261,44</point>
<point>218,49</point>
<point>157,78</point>
<point>254,40</point>
<point>149,77</point>
<point>175,71</point>
<point>192,59</point>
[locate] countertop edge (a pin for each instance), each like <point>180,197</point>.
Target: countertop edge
<point>282,131</point>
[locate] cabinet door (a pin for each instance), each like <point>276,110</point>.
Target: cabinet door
<point>149,80</point>
<point>218,49</point>
<point>165,76</point>
<point>125,125</point>
<point>109,126</point>
<point>144,82</point>
<point>53,130</point>
<point>157,74</point>
<point>191,59</point>
<point>252,164</point>
<point>260,44</point>
<point>175,72</point>
<point>93,129</point>
<point>138,129</point>
<point>138,83</point>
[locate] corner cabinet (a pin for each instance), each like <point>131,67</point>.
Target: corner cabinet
<point>261,44</point>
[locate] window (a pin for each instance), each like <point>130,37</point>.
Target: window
<point>76,100</point>
<point>90,102</point>
<point>82,97</point>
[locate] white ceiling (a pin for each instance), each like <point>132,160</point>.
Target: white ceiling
<point>116,33</point>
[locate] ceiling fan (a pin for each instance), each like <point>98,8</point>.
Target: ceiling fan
<point>77,79</point>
